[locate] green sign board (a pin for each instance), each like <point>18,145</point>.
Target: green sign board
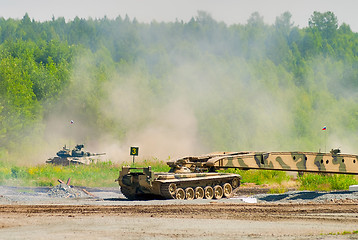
<point>134,151</point>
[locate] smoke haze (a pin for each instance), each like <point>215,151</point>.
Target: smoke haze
<point>198,95</point>
<point>206,107</point>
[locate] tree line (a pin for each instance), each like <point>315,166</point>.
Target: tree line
<point>250,85</point>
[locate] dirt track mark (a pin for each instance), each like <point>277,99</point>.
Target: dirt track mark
<point>331,212</point>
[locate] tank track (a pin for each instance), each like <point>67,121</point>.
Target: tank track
<point>131,195</point>
<point>164,190</point>
<point>128,193</point>
<point>165,193</point>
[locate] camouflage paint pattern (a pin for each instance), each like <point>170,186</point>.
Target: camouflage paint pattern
<point>287,161</point>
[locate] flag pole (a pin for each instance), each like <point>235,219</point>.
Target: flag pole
<point>325,138</point>
<point>325,141</point>
<point>71,134</point>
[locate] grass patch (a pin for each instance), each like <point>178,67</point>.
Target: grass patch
<point>277,190</point>
<point>277,181</point>
<point>103,174</point>
<point>261,177</point>
<point>326,182</point>
<point>344,233</point>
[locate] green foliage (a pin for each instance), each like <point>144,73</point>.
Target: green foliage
<point>101,174</point>
<point>326,182</point>
<point>344,233</point>
<point>157,166</point>
<point>249,87</point>
<point>326,23</point>
<point>260,177</point>
<point>17,172</point>
<point>277,190</point>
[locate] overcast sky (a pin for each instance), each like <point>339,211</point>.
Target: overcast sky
<point>229,11</point>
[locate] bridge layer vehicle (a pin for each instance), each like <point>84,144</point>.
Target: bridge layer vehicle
<point>197,177</point>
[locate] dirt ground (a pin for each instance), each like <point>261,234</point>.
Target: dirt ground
<point>31,213</point>
<point>212,220</point>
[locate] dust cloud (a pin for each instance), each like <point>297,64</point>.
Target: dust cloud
<point>203,102</point>
<point>132,116</point>
<point>202,107</point>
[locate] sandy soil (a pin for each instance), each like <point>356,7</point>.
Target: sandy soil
<point>189,221</point>
<point>31,213</point>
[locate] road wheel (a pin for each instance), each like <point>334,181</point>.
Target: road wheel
<point>180,194</point>
<point>218,192</point>
<point>189,193</point>
<point>172,189</point>
<point>227,190</point>
<point>235,183</point>
<point>209,192</point>
<point>199,193</point>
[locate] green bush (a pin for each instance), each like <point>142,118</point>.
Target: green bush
<point>260,177</point>
<point>18,172</point>
<point>103,174</point>
<point>326,182</point>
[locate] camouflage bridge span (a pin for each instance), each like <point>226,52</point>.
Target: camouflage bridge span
<point>333,162</point>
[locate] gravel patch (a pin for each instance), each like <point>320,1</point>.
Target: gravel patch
<point>28,195</point>
<point>64,191</point>
<point>308,196</point>
<point>22,194</point>
<point>112,196</point>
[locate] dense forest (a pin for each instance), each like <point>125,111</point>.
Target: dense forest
<point>177,88</point>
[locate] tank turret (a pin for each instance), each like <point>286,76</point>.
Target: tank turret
<point>65,152</point>
<point>75,156</point>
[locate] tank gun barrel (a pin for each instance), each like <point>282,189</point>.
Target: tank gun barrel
<point>98,154</point>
